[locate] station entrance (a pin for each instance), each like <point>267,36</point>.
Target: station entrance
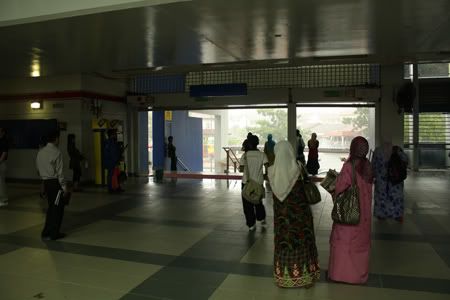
<point>210,141</point>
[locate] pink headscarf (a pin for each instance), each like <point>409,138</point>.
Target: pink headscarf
<point>358,152</point>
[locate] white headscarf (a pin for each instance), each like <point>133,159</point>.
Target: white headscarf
<point>284,172</point>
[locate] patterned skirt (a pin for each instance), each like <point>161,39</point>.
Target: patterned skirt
<point>291,272</point>
<point>296,261</point>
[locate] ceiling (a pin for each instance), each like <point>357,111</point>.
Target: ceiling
<point>229,31</point>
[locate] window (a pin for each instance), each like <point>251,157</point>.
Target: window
<point>434,128</point>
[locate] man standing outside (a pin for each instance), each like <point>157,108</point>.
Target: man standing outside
<point>49,163</point>
<point>3,158</point>
<point>172,154</point>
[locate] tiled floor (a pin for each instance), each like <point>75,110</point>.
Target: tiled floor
<point>188,240</point>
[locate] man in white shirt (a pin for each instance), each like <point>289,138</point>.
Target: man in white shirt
<point>253,161</point>
<point>49,163</point>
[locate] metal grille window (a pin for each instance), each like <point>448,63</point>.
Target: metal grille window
<point>319,76</point>
<point>434,128</point>
<point>151,84</point>
<point>303,76</point>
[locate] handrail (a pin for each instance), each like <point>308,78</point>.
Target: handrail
<point>182,164</point>
<point>231,157</point>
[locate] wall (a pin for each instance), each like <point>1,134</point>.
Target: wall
<point>187,137</point>
<point>20,86</point>
<point>60,101</point>
<point>21,162</point>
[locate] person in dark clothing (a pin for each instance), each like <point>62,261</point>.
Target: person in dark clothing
<point>3,158</point>
<point>313,165</point>
<point>300,148</point>
<point>75,161</point>
<point>49,163</point>
<point>111,158</point>
<point>172,154</point>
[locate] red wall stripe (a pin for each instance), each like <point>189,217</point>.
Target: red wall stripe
<point>62,95</point>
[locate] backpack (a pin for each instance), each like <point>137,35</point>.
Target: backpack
<point>396,169</point>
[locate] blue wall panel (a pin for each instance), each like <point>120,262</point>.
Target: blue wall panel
<point>158,140</point>
<point>209,90</point>
<point>188,138</point>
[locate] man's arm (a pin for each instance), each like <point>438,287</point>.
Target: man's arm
<point>59,170</point>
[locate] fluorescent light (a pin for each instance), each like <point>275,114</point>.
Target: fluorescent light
<point>36,105</point>
<point>35,73</point>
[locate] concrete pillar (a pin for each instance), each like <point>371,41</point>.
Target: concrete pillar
<point>389,123</point>
<point>132,133</point>
<point>416,150</point>
<point>292,121</point>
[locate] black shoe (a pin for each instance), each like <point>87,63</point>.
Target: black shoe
<point>45,238</point>
<point>58,236</point>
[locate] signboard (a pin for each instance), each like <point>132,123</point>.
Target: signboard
<point>168,115</point>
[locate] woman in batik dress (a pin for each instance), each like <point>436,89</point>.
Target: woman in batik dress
<point>295,256</point>
<point>388,197</point>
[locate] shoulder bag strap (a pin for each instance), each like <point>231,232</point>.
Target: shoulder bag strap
<point>246,174</point>
<point>353,173</point>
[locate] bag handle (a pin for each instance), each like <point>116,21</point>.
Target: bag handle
<point>246,174</point>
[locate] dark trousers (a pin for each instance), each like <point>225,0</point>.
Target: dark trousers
<point>173,164</point>
<point>55,213</point>
<point>76,174</point>
<point>253,212</point>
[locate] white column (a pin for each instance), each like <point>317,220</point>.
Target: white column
<point>132,132</point>
<point>292,123</point>
<point>389,123</point>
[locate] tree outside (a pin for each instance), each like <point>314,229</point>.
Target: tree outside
<point>360,120</point>
<point>272,121</point>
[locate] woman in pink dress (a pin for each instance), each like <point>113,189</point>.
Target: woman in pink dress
<point>350,244</point>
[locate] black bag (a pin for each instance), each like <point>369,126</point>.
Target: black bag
<point>397,172</point>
